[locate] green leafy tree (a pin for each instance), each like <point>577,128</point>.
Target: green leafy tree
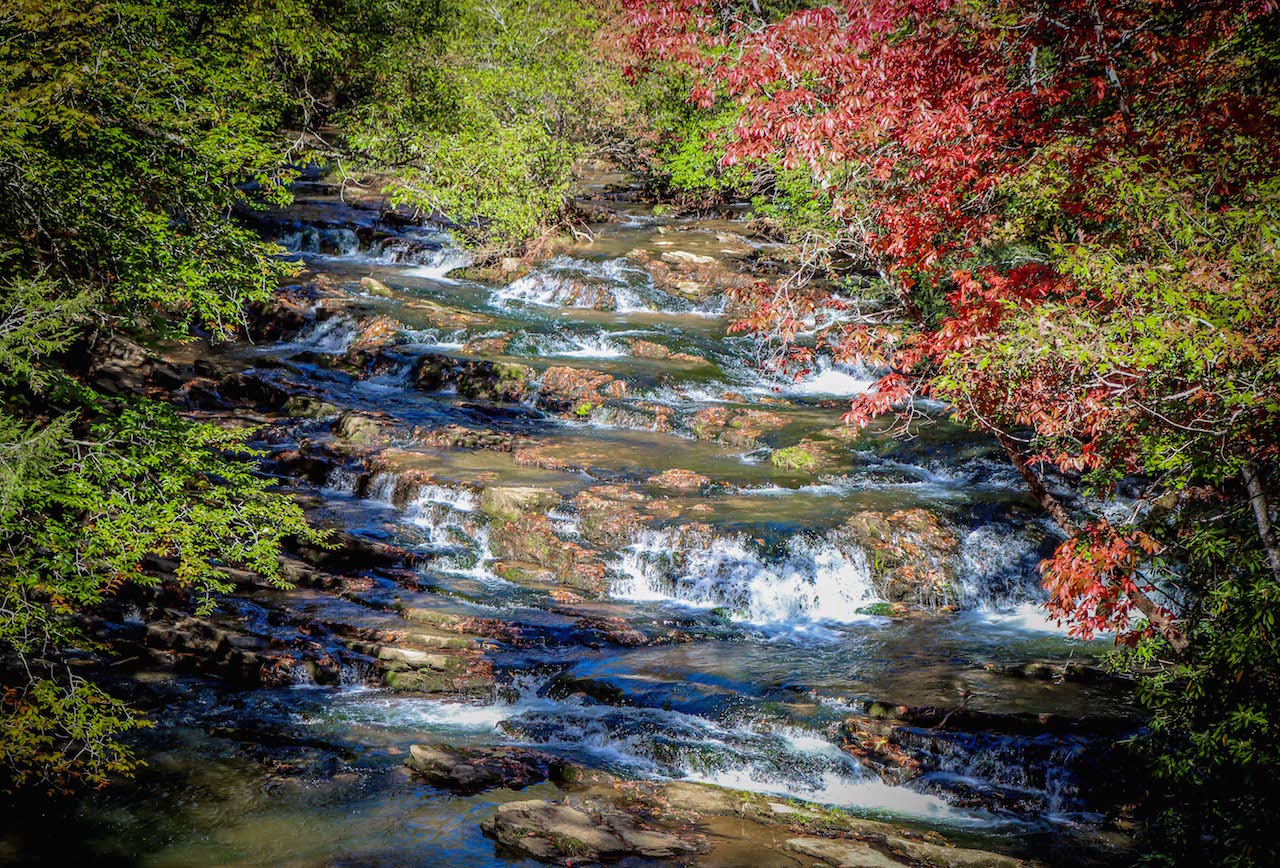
<point>132,133</point>
<point>484,115</point>
<point>129,132</point>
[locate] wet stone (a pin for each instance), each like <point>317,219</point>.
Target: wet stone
<point>357,428</point>
<point>474,770</point>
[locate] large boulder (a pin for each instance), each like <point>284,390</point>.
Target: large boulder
<point>475,770</point>
<point>896,852</point>
<point>842,853</point>
<point>693,275</point>
<point>483,379</point>
<point>357,428</point>
<point>532,540</point>
<point>577,389</point>
<point>443,316</point>
<point>912,554</point>
<point>454,674</point>
<point>609,516</point>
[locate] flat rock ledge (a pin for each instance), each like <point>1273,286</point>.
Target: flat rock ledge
<point>896,853</point>
<point>688,824</point>
<point>581,830</point>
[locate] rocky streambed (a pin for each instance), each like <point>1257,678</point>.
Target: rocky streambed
<point>599,589</point>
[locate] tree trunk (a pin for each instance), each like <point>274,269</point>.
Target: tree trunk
<point>1051,504</point>
<point>1154,614</point>
<point>1262,513</point>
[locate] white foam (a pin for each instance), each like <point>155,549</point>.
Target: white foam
<point>460,499</point>
<point>333,336</point>
<point>864,793</point>
<point>342,481</point>
<point>436,264</point>
<point>597,346</point>
<point>815,580</point>
<point>1025,617</point>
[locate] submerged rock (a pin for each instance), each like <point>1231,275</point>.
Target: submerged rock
<point>678,256</point>
<point>684,480</point>
<point>306,407</point>
<point>373,286</point>
<point>460,437</point>
<point>734,426</point>
<point>565,388</point>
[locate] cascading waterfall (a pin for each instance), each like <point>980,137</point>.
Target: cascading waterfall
<point>813,580</point>
<point>458,536</point>
<point>424,255</point>
<point>1000,566</point>
<point>322,241</point>
<point>433,264</point>
<point>332,336</point>
<point>344,481</point>
<point>613,284</point>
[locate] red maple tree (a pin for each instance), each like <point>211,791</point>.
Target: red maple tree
<point>1131,146</point>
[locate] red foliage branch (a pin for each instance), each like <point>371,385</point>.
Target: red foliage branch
<point>913,114</point>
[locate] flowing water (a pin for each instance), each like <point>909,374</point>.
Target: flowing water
<point>736,625</point>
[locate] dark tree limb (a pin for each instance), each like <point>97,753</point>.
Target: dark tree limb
<point>1262,514</point>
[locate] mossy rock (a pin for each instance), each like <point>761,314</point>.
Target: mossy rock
<point>373,286</point>
<point>513,502</point>
<point>794,458</point>
<point>418,681</point>
<point>304,407</point>
<point>884,610</point>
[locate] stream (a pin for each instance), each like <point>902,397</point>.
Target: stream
<point>517,435</point>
